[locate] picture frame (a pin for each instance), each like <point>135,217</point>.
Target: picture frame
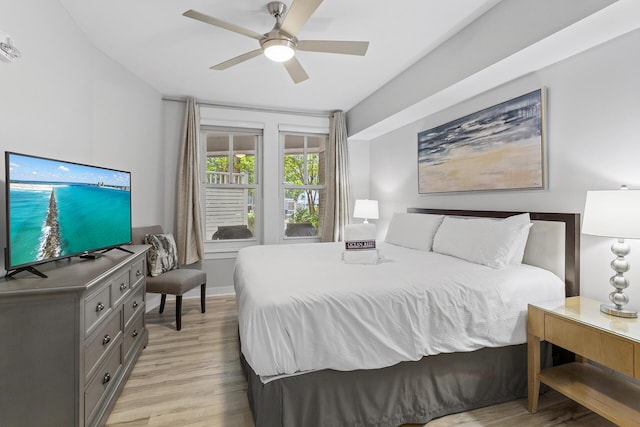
<point>501,147</point>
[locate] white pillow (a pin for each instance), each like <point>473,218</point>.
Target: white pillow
<point>413,230</point>
<point>479,240</point>
<point>521,243</point>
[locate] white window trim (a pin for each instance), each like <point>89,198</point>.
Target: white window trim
<point>269,122</point>
<point>301,130</point>
<point>227,248</point>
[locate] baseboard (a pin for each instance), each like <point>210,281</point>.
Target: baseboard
<point>220,290</point>
<point>153,300</point>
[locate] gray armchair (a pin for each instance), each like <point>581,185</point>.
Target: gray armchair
<point>175,282</point>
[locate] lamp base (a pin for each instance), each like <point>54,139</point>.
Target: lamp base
<point>615,311</point>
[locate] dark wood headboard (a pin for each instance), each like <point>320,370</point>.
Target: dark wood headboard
<point>571,245</point>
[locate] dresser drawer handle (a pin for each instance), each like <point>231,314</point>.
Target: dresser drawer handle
<point>134,333</point>
<point>138,273</point>
<point>106,378</point>
<point>106,340</point>
<point>123,286</point>
<point>99,307</point>
<point>135,304</point>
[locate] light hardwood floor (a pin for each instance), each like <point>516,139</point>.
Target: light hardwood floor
<point>193,378</point>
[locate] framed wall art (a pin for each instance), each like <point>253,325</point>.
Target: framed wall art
<point>499,148</point>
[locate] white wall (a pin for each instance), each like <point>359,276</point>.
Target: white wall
<point>592,140</point>
<point>66,100</point>
<point>358,152</point>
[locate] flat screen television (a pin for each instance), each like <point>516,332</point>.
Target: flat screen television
<point>59,209</point>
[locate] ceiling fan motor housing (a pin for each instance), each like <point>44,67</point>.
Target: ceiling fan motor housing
<point>277,9</point>
<point>277,45</point>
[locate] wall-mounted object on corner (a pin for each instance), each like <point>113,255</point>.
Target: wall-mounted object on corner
<point>8,51</point>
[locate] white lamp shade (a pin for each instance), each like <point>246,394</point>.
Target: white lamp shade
<point>367,209</point>
<point>614,213</point>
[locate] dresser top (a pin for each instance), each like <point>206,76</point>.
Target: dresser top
<point>70,274</point>
<point>587,311</point>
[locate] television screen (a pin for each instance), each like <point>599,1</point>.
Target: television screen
<point>58,209</point>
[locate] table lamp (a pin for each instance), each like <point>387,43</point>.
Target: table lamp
<point>616,214</point>
<point>367,209</point>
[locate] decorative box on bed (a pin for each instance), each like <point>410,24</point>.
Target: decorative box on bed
<point>412,338</point>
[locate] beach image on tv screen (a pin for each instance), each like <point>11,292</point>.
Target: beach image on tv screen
<point>59,208</point>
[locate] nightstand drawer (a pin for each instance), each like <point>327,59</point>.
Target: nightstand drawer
<point>591,343</point>
<point>611,343</point>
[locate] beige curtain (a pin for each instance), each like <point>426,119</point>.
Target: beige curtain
<point>188,214</point>
<point>337,212</point>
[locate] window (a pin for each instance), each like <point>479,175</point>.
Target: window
<point>231,184</point>
<point>303,189</point>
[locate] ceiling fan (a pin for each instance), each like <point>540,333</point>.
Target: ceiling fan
<point>280,44</point>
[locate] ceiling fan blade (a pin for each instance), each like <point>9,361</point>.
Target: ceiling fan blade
<point>299,12</point>
<point>222,24</point>
<point>295,70</point>
<point>331,46</point>
<point>237,60</point>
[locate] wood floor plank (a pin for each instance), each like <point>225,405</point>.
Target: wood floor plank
<point>192,378</point>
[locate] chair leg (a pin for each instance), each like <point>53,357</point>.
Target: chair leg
<point>163,299</point>
<point>178,312</point>
<point>203,296</point>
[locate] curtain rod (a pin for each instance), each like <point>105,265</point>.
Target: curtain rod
<point>251,108</point>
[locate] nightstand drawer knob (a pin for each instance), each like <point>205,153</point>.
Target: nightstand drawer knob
<point>106,340</point>
<point>134,333</point>
<point>135,304</point>
<point>123,286</point>
<point>99,307</point>
<point>138,273</point>
<point>106,378</point>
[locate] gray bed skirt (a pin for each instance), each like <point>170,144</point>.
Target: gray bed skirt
<point>409,392</point>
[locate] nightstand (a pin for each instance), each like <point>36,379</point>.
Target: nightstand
<point>576,324</point>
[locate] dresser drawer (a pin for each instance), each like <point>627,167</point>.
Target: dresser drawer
<point>595,345</point>
<point>120,287</point>
<point>97,306</point>
<point>106,376</point>
<point>133,333</point>
<point>134,303</point>
<point>137,271</point>
<point>101,342</point>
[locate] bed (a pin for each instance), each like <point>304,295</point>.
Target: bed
<point>329,344</point>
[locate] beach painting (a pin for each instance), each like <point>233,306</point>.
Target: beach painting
<point>498,148</point>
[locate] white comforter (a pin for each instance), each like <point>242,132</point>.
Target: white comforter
<point>302,309</point>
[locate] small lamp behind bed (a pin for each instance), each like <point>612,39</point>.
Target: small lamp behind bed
<point>615,214</point>
<point>367,209</point>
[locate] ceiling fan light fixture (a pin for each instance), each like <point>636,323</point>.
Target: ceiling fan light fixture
<point>279,50</point>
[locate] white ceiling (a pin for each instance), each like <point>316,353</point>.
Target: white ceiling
<point>173,53</point>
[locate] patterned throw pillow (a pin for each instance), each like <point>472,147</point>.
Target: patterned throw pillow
<point>163,255</point>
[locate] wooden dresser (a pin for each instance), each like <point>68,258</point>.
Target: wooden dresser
<point>69,342</point>
<point>613,343</point>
